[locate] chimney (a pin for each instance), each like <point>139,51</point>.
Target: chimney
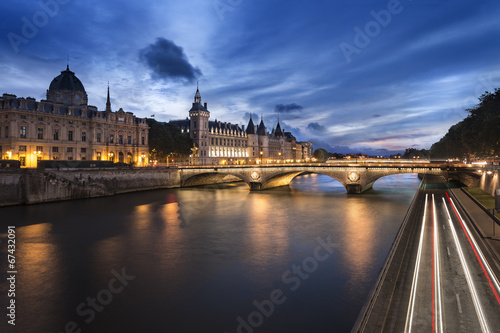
<point>243,128</point>
<point>205,105</point>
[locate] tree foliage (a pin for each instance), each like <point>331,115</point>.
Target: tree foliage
<point>321,154</point>
<point>478,134</point>
<point>165,139</point>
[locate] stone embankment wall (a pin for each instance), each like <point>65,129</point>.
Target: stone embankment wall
<point>489,180</point>
<point>29,186</point>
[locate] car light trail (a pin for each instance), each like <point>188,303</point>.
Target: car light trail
<point>411,307</point>
<point>479,254</point>
<point>437,310</point>
<point>470,283</point>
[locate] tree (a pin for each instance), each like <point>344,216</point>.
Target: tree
<point>165,139</point>
<point>321,154</point>
<point>478,134</point>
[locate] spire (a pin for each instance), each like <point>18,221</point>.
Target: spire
<point>278,131</point>
<point>262,128</point>
<point>108,102</point>
<point>197,96</point>
<point>251,126</point>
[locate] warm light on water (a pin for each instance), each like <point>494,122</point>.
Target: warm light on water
<point>202,256</point>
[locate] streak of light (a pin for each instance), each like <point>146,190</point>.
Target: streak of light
<point>411,307</point>
<point>437,271</point>
<point>479,254</point>
<point>470,283</point>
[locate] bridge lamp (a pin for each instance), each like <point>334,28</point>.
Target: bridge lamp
<point>489,172</point>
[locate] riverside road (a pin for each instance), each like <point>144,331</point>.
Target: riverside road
<point>441,277</point>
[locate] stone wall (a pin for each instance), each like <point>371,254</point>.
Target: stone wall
<point>489,180</point>
<point>29,186</point>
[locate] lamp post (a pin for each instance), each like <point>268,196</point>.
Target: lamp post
<point>261,153</point>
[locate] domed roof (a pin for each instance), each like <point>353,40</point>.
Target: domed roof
<point>66,81</point>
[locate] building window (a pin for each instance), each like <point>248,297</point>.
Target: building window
<point>111,138</point>
<point>142,140</point>
<point>22,159</point>
<point>98,155</point>
<point>98,137</point>
<point>22,148</point>
<point>69,149</point>
<point>23,117</point>
<point>6,131</point>
<point>70,122</point>
<point>120,139</point>
<point>40,134</point>
<point>84,136</point>
<point>40,118</point>
<point>23,132</point>
<point>70,135</point>
<point>56,134</point>
<point>83,150</point>
<point>55,149</point>
<point>39,148</point>
<point>70,158</point>
<point>129,140</point>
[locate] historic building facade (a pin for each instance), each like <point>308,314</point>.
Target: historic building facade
<point>225,143</point>
<point>65,127</point>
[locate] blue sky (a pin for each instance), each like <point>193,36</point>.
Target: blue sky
<point>348,75</point>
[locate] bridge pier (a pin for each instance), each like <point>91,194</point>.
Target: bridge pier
<point>254,186</point>
<point>354,188</point>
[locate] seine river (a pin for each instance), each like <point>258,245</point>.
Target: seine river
<point>213,259</point>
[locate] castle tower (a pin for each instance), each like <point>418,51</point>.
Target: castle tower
<point>252,142</point>
<point>263,141</point>
<point>199,130</point>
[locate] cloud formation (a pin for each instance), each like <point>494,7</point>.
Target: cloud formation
<point>288,108</point>
<point>316,128</point>
<point>168,61</point>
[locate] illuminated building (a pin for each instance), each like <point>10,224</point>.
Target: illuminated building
<point>225,143</point>
<point>65,127</point>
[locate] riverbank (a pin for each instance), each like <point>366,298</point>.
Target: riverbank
<point>30,186</point>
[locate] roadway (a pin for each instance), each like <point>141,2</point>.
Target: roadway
<point>444,280</point>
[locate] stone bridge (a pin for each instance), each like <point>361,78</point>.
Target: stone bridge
<point>357,178</point>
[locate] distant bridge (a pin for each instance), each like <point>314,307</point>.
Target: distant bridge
<point>356,177</point>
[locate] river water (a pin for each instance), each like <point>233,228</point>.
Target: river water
<point>211,259</point>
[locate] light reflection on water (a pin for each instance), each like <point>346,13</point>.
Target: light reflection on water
<point>201,256</point>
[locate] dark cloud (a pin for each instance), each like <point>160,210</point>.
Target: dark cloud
<point>168,60</point>
<point>376,116</point>
<point>255,117</point>
<point>316,127</point>
<point>288,108</point>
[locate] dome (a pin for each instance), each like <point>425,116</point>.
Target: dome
<point>67,81</point>
<point>67,89</point>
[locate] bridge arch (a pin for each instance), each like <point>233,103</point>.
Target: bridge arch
<point>209,178</point>
<point>284,179</point>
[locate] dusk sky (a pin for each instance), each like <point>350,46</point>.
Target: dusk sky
<point>348,75</point>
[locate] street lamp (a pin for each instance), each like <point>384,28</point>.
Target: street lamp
<point>261,153</point>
